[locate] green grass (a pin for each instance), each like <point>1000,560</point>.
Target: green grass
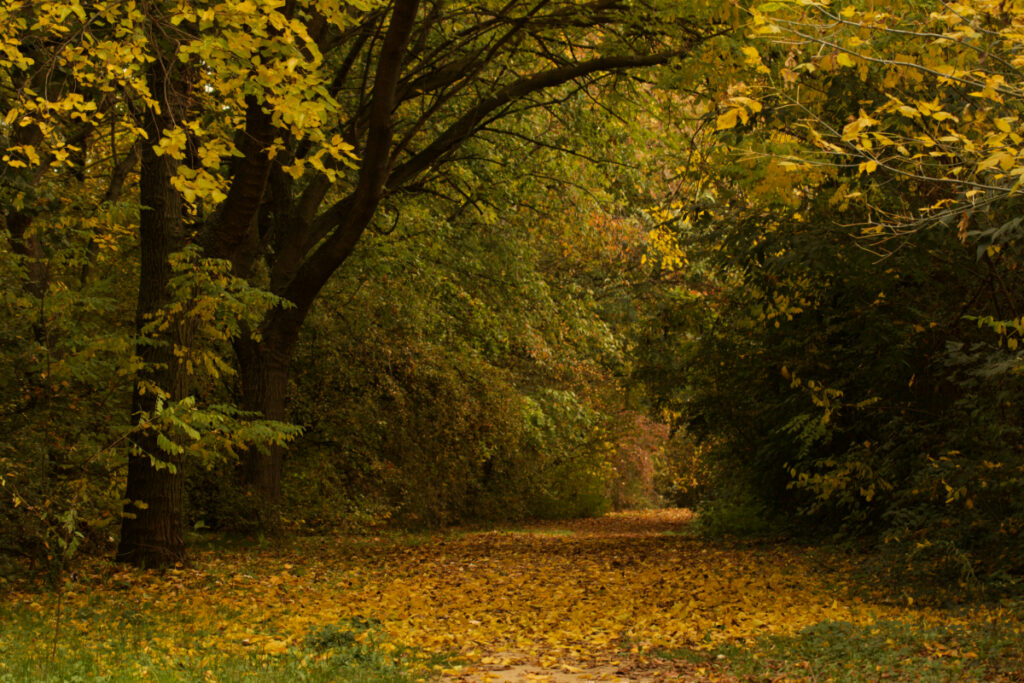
<point>130,650</point>
<point>895,651</point>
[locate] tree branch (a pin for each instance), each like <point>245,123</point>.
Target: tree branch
<point>469,123</point>
<point>360,206</point>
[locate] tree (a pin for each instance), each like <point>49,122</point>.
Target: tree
<point>270,135</point>
<point>439,76</point>
<point>405,88</point>
<point>459,367</point>
<point>858,247</point>
<point>75,118</point>
<point>68,159</point>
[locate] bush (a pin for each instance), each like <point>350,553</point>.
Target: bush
<point>855,396</point>
<point>733,514</point>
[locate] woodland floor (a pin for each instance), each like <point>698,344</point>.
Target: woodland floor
<point>627,597</point>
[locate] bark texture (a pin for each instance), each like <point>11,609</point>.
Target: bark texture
<point>263,370</point>
<point>152,532</point>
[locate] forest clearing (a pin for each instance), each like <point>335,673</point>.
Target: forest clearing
<point>626,597</point>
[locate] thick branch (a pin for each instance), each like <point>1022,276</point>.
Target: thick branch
<point>234,223</point>
<point>470,122</point>
<point>374,171</point>
<point>339,227</point>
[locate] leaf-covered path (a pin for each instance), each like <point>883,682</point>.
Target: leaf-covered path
<point>576,601</point>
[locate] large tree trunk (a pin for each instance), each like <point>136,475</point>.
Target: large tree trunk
<point>264,365</point>
<point>152,531</point>
<point>263,368</point>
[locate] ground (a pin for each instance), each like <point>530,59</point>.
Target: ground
<point>629,597</point>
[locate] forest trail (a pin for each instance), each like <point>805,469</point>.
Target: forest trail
<point>627,597</point>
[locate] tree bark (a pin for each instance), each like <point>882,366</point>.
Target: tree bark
<point>152,530</point>
<point>263,369</point>
<point>264,365</point>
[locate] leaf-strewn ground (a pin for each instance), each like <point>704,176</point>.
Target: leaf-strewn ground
<point>625,597</point>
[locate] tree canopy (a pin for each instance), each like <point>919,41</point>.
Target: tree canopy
<point>273,263</point>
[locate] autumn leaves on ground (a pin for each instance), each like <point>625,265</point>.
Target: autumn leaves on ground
<point>628,597</point>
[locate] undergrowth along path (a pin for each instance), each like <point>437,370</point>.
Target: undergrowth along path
<point>615,598</point>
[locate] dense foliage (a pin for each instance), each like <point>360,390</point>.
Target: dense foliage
<point>439,384</point>
<point>303,264</point>
<point>845,347</point>
<point>217,163</point>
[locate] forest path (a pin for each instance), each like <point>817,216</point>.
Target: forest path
<point>631,596</point>
<point>600,599</point>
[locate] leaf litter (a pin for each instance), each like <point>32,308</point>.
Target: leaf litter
<point>587,600</point>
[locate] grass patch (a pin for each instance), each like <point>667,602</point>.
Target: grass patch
<point>140,646</point>
<point>889,650</point>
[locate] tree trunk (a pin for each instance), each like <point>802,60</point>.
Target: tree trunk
<point>263,368</point>
<point>153,535</point>
<point>264,365</point>
<point>152,530</point>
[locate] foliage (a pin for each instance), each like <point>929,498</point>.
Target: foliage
<point>64,380</point>
<point>950,79</point>
<point>843,387</point>
<point>429,390</point>
<point>732,513</point>
<point>835,341</point>
<point>69,258</point>
<point>682,476</point>
<point>265,140</point>
<point>70,376</point>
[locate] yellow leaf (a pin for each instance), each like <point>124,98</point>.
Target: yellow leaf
<point>867,166</point>
<point>1001,158</point>
<point>844,59</point>
<point>727,120</point>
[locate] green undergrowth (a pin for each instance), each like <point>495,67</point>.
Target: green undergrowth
<point>887,650</point>
<point>137,648</point>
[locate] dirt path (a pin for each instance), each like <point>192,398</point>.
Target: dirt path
<point>614,556</point>
<point>512,666</point>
